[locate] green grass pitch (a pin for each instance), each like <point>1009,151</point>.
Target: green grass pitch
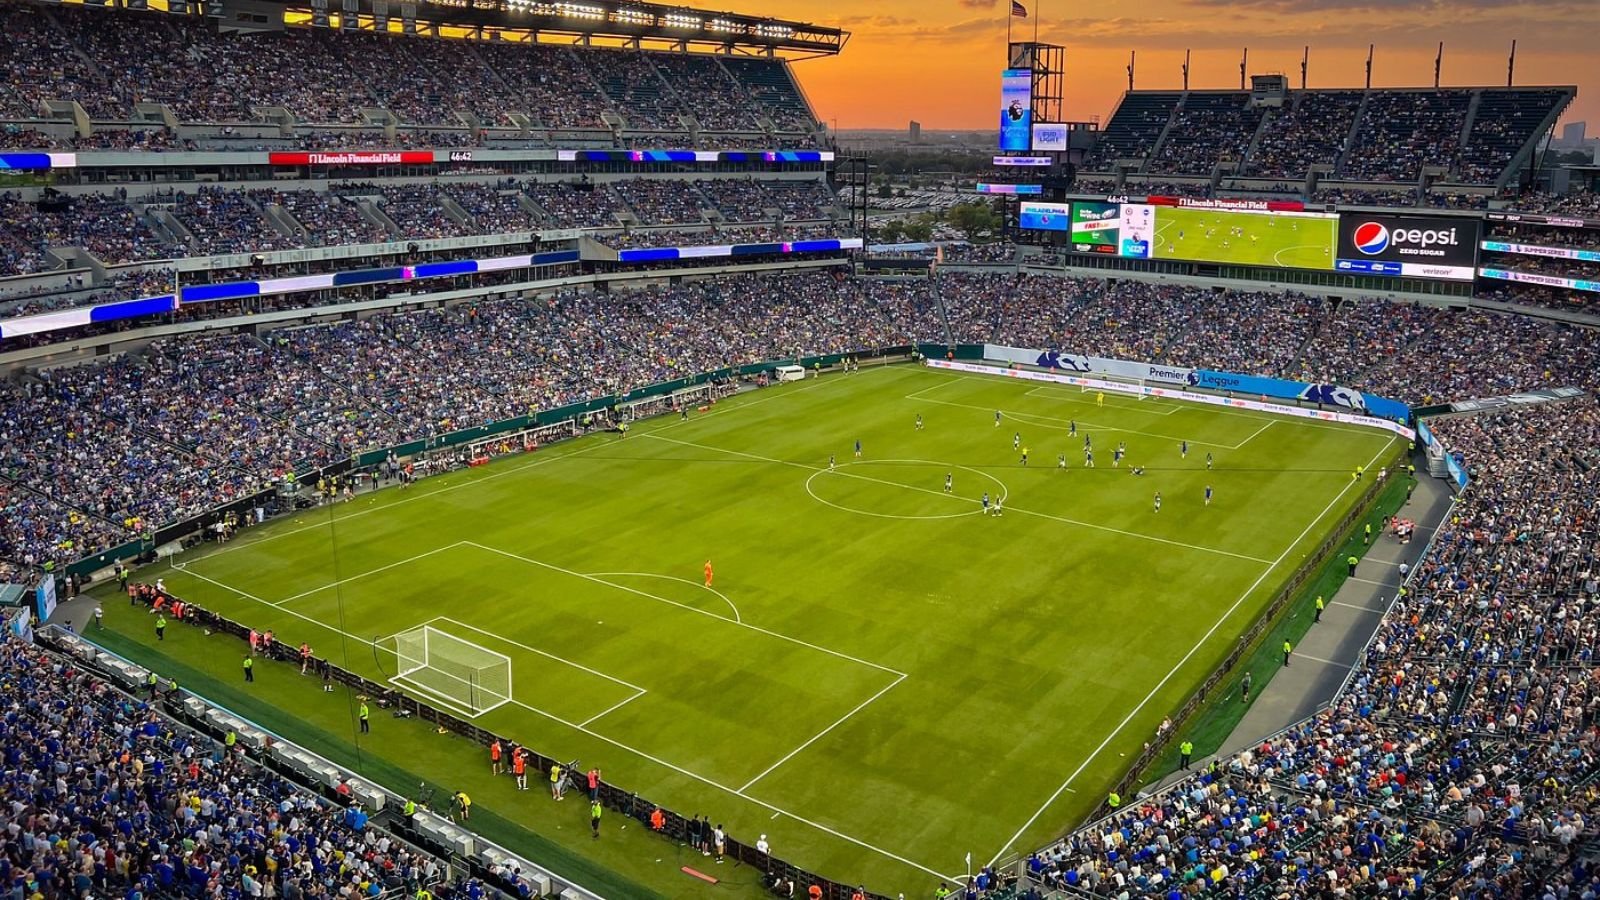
<point>881,679</point>
<point>1298,242</point>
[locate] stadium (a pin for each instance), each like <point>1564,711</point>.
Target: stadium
<point>515,470</point>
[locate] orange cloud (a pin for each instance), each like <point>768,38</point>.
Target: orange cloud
<point>937,62</point>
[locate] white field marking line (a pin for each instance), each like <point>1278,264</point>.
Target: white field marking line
<point>534,650</point>
<point>1277,257</point>
<point>444,699</point>
<point>710,615</point>
<point>1065,394</point>
<point>819,735</point>
<point>1326,662</point>
<point>1002,494</point>
<point>910,487</point>
<point>538,461</point>
<point>393,565</point>
<point>1371,609</point>
<point>422,495</point>
<point>389,637</point>
<point>642,754</point>
<point>1180,663</point>
<point>706,587</point>
<point>613,708</point>
<point>1180,405</point>
<point>1142,537</point>
<point>735,407</point>
<point>917,395</point>
<point>1253,435</point>
<point>1047,420</point>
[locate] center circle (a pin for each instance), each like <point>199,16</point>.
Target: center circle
<point>933,489</point>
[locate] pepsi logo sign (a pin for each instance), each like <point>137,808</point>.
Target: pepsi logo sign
<point>1371,238</point>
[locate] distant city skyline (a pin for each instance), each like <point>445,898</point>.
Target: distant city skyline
<point>938,61</point>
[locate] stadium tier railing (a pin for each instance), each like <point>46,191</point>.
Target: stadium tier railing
<point>453,841</point>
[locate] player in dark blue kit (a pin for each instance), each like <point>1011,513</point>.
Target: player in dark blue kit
<point>1072,427</point>
<point>858,448</point>
<point>1208,495</point>
<point>1183,449</point>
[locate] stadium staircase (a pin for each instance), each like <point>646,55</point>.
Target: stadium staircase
<point>1350,136</point>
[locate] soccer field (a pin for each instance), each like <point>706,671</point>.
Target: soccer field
<point>1299,242</point>
<point>881,678</point>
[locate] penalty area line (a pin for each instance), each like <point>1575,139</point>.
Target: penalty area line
<point>776,810</point>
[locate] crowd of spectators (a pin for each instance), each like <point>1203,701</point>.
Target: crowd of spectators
<point>115,60</point>
<point>102,224</point>
<point>328,218</point>
<point>107,797</point>
<point>808,199</point>
<point>577,204</point>
<point>151,437</point>
<point>1206,130</point>
<point>1310,129</point>
<point>1459,759</point>
<point>493,209</point>
<point>223,221</point>
<point>413,208</point>
<point>665,202</point>
<point>1402,131</point>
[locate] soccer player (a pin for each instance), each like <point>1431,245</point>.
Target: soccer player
<point>1116,457</point>
<point>1016,441</point>
<point>1208,495</point>
<point>986,503</point>
<point>519,766</point>
<point>1072,427</point>
<point>494,757</point>
<point>1024,456</point>
<point>858,448</point>
<point>557,784</point>
<point>999,504</point>
<point>997,418</point>
<point>1099,398</point>
<point>1088,459</point>
<point>830,462</point>
<point>708,573</point>
<point>919,421</point>
<point>1208,461</point>
<point>1061,460</point>
<point>949,481</point>
<point>1087,443</point>
<point>1183,449</point>
<point>1158,501</point>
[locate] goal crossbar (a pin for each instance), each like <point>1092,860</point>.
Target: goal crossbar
<point>468,675</point>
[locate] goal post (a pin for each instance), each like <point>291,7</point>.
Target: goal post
<point>452,669</point>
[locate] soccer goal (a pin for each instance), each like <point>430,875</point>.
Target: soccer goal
<point>453,670</point>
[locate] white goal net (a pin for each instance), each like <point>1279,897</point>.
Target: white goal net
<point>453,670</point>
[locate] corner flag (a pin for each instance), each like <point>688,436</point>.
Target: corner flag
<point>1018,10</point>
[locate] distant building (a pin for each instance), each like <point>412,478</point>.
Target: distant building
<point>1572,134</point>
<point>916,131</point>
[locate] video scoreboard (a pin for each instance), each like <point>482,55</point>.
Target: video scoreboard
<point>1281,234</point>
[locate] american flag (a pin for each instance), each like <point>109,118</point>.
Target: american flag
<point>1018,10</point>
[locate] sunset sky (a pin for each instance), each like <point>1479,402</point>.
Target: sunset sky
<point>938,61</point>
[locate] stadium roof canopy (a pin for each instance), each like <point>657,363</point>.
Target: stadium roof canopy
<point>627,22</point>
